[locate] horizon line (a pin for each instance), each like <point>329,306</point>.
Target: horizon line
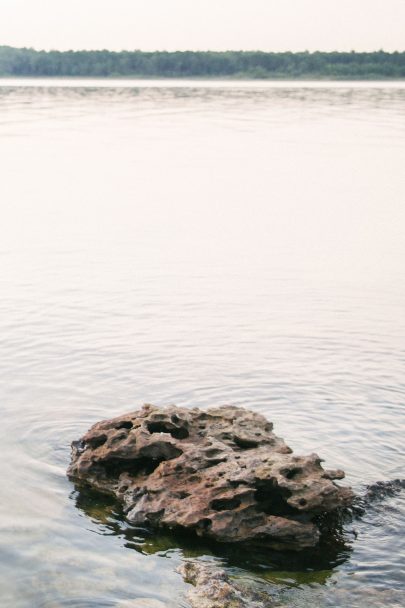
<point>139,50</point>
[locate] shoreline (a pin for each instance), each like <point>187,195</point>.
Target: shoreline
<point>213,83</point>
<point>241,78</point>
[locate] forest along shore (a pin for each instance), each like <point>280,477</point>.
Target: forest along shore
<point>203,64</point>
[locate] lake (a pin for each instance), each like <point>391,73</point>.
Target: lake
<point>200,244</point>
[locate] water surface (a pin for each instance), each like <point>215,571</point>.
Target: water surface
<point>199,244</point>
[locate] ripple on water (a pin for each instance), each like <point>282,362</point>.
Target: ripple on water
<point>265,270</point>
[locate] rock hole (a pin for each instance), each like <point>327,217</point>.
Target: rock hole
<point>158,427</point>
<point>133,466</point>
<point>125,424</point>
<point>302,502</point>
<point>96,442</point>
<point>212,452</point>
<point>291,473</point>
<point>226,436</point>
<point>180,433</point>
<point>204,524</point>
<point>272,499</point>
<point>235,483</point>
<point>244,443</point>
<point>118,437</point>
<point>154,518</point>
<point>225,504</point>
<point>213,462</point>
<point>165,427</point>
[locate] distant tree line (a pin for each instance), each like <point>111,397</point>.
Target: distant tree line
<point>187,64</point>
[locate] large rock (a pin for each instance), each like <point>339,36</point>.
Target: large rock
<point>221,473</point>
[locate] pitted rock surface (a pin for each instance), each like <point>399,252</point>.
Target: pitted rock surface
<point>221,473</point>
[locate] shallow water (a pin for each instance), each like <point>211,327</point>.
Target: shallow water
<point>200,245</point>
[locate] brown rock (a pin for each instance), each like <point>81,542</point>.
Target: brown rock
<point>221,473</point>
<point>213,588</point>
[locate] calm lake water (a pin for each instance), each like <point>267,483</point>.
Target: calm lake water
<point>198,244</point>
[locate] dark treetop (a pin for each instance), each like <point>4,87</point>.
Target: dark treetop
<point>207,64</point>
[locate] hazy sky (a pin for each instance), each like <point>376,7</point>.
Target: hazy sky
<point>204,24</point>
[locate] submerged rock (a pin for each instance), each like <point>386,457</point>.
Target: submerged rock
<point>213,588</point>
<point>221,473</point>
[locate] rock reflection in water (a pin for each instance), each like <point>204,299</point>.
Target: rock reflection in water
<point>311,565</point>
<point>288,578</point>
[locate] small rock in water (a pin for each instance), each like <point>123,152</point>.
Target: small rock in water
<point>213,588</point>
<point>221,473</point>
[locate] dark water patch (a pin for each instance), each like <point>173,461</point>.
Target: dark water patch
<point>382,490</point>
<point>374,497</point>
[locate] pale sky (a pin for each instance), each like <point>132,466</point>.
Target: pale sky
<point>269,25</point>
